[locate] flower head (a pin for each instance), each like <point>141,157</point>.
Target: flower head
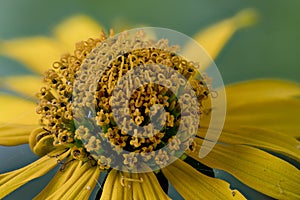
<point>79,124</point>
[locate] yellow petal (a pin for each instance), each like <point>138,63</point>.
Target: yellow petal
<point>191,184</point>
<point>26,85</point>
<point>118,191</point>
<point>279,115</point>
<point>90,185</point>
<point>36,53</point>
<point>258,91</point>
<point>75,29</point>
<point>113,189</point>
<point>262,138</point>
<point>137,188</point>
<point>77,173</point>
<point>214,38</point>
<point>61,177</point>
<point>151,187</point>
<point>65,185</point>
<point>84,186</point>
<point>121,185</point>
<point>269,104</point>
<point>44,146</point>
<point>256,168</point>
<point>12,180</point>
<point>80,180</point>
<point>40,141</point>
<point>15,134</point>
<point>15,110</point>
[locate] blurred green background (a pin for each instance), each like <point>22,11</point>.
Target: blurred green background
<point>269,49</point>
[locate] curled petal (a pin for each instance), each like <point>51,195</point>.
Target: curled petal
<point>41,143</point>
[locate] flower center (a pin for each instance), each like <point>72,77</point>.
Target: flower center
<point>97,102</point>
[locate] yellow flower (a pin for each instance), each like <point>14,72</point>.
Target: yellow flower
<point>262,117</point>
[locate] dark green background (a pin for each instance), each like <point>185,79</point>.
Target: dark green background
<point>269,49</point>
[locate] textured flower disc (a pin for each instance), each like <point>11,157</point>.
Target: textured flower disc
<point>130,101</point>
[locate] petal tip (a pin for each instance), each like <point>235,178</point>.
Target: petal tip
<point>247,17</point>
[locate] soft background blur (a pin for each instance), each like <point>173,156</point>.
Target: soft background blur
<point>269,49</point>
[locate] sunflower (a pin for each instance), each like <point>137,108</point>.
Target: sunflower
<point>260,132</point>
